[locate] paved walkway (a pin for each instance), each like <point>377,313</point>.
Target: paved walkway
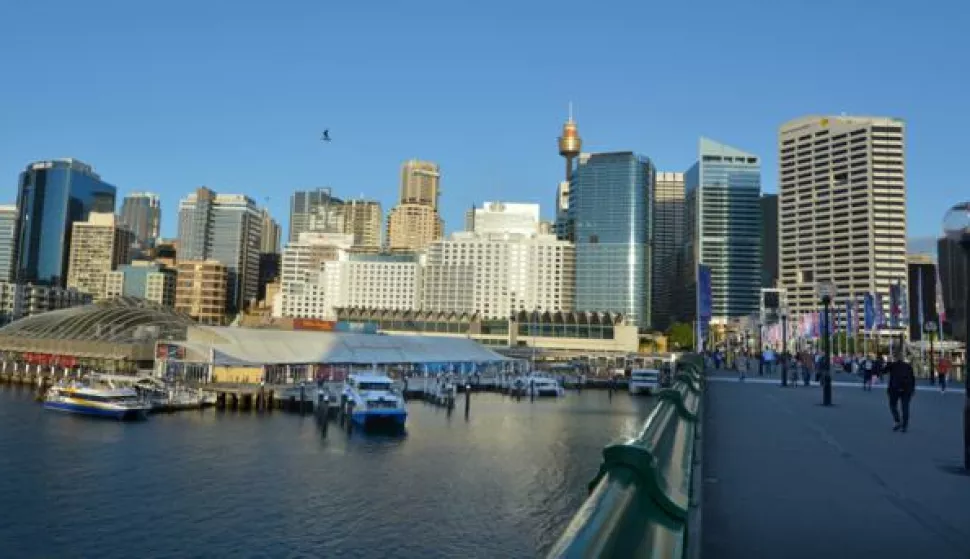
<point>786,477</point>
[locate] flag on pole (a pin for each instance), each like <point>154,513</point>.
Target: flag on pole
<point>849,325</point>
<point>870,311</point>
<point>894,305</point>
<point>919,301</point>
<point>880,311</point>
<point>940,309</point>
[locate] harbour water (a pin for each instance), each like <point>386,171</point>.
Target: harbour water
<point>207,483</point>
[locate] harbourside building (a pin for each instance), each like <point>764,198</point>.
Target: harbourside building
<point>498,275</point>
<point>8,232</point>
<point>98,246</point>
<point>52,196</point>
<point>841,208</point>
<point>610,217</point>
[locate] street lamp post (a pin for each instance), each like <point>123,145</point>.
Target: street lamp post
<point>784,347</point>
<point>929,327</point>
<point>956,225</point>
<point>826,292</point>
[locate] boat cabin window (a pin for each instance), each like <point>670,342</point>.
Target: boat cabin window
<point>373,385</point>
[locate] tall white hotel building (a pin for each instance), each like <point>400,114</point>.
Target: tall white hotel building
<point>841,208</point>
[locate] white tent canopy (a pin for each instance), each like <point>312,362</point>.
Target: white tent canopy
<point>243,346</point>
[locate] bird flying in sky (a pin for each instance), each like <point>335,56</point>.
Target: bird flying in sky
<point>326,135</point>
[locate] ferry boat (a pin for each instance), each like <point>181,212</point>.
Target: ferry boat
<point>116,403</point>
<point>375,400</point>
<point>644,381</point>
<point>543,385</point>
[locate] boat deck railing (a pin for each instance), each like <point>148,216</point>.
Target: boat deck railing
<point>641,503</point>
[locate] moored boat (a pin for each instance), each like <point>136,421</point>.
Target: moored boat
<point>78,398</point>
<point>373,400</point>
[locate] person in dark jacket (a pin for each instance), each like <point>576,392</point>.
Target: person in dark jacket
<point>902,385</point>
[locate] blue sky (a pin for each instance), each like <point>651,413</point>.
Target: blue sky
<point>168,96</point>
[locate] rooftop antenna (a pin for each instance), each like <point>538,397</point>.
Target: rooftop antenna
<point>570,111</point>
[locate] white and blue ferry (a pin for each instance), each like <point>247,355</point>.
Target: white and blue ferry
<point>375,400</point>
<point>115,403</point>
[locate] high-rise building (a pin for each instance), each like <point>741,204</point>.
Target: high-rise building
<point>201,290</point>
<point>769,240</point>
<point>954,271</point>
<point>562,228</point>
<point>98,246</point>
<point>362,219</point>
<point>225,228</point>
<point>420,183</point>
<point>302,263</point>
<point>610,219</point>
<point>412,227</point>
<point>842,207</point>
<point>52,196</point>
<point>143,279</point>
<point>141,213</point>
<point>381,281</point>
<point>499,274</point>
<point>668,240</point>
<point>506,217</point>
<point>318,205</point>
<point>724,227</point>
<point>8,231</point>
<point>921,272</point>
<point>269,238</point>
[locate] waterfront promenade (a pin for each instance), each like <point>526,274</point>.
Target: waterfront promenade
<point>786,477</point>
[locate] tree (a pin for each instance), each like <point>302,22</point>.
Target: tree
<point>680,336</point>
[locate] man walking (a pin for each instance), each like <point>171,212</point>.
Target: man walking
<point>902,385</point>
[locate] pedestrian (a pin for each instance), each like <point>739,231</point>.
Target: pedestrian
<point>868,371</point>
<point>944,369</point>
<point>901,386</point>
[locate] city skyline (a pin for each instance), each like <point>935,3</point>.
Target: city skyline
<point>487,136</point>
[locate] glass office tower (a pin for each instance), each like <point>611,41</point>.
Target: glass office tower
<point>53,195</point>
<point>724,227</point>
<point>609,219</point>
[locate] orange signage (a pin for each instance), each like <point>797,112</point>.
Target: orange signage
<point>314,324</point>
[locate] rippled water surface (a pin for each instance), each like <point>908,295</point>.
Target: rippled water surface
<point>201,484</point>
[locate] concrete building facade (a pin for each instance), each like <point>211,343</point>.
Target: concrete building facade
<point>363,219</point>
<point>24,299</point>
<point>8,231</point>
<point>307,205</point>
<point>143,279</point>
<point>201,290</point>
<point>506,217</point>
<point>497,275</point>
<point>841,207</point>
<point>98,246</point>
<point>420,183</point>
<point>412,227</point>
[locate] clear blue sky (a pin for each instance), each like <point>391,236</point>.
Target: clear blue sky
<point>233,95</point>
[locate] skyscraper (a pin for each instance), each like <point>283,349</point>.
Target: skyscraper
<point>415,223</point>
<point>8,230</point>
<point>724,227</point>
<point>362,219</point>
<point>668,239</point>
<point>98,246</point>
<point>141,213</point>
<point>269,239</point>
<point>225,228</point>
<point>52,196</point>
<point>319,205</point>
<point>921,276</point>
<point>420,183</point>
<point>769,240</point>
<point>842,207</point>
<point>610,217</point>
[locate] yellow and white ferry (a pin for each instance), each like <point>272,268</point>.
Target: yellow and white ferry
<point>115,403</point>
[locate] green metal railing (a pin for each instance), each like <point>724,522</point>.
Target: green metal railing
<point>639,501</point>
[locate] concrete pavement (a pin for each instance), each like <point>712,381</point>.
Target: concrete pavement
<point>786,477</point>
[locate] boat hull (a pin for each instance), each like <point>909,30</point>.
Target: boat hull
<point>375,418</point>
<point>108,413</point>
